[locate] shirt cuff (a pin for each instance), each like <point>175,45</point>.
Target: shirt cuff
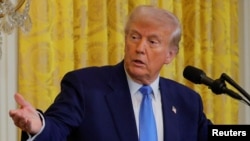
<point>32,137</point>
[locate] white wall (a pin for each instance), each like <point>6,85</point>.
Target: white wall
<point>8,86</point>
<point>244,36</point>
<point>8,74</point>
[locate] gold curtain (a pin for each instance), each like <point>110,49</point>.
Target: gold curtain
<point>68,35</point>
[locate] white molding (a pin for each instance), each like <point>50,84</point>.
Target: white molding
<point>244,39</point>
<point>8,86</point>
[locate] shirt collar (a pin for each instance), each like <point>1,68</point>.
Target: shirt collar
<point>134,87</point>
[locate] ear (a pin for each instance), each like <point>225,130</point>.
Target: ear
<point>171,53</point>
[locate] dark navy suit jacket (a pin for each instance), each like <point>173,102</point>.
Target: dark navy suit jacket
<point>95,105</point>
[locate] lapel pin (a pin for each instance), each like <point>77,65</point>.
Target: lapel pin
<point>174,109</point>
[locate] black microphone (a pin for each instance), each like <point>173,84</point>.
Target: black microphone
<point>197,76</point>
<point>218,86</point>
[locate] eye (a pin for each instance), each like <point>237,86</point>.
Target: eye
<point>154,42</point>
<point>134,36</point>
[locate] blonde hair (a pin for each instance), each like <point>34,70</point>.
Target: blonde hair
<point>159,14</point>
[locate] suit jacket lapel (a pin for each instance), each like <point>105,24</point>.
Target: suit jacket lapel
<point>120,103</point>
<point>170,113</point>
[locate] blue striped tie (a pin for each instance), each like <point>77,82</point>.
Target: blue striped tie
<point>147,125</point>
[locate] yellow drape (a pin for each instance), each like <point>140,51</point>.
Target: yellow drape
<point>67,35</point>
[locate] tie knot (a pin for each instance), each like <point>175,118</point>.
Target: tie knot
<point>146,90</point>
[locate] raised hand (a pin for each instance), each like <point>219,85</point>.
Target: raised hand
<point>26,117</point>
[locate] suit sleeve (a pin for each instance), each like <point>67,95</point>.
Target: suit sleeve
<point>65,114</point>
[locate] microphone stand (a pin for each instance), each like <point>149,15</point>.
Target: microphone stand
<point>219,87</point>
<point>233,83</point>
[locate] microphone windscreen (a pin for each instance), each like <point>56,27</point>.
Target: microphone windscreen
<point>193,74</point>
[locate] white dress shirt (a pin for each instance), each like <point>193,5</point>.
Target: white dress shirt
<point>156,103</point>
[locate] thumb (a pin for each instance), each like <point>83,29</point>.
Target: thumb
<point>21,101</point>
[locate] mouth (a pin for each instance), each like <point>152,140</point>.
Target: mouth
<point>138,62</point>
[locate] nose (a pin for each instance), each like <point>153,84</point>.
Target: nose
<point>141,46</point>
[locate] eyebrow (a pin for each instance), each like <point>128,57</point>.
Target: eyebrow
<point>153,35</point>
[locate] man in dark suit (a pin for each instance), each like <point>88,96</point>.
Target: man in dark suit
<point>103,103</point>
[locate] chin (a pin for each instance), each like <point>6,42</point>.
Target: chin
<point>136,72</point>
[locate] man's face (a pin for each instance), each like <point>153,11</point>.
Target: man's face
<point>147,49</point>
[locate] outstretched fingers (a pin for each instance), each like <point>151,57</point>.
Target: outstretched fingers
<point>21,101</point>
<point>26,117</point>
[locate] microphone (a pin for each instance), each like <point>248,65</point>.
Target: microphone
<point>217,86</point>
<point>197,76</point>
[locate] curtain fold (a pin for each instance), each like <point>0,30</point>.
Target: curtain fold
<point>68,35</point>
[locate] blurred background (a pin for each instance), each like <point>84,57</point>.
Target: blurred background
<point>42,40</point>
